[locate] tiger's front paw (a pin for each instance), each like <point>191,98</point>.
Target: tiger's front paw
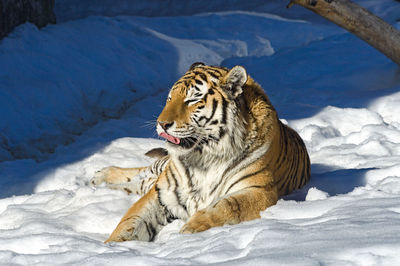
<point>199,222</point>
<point>133,229</point>
<point>114,175</point>
<point>101,176</point>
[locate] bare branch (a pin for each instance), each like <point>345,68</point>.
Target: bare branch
<point>359,21</point>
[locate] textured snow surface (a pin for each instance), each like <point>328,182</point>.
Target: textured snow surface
<point>99,83</point>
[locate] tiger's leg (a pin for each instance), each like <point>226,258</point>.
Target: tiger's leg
<point>131,180</point>
<point>243,205</point>
<point>143,220</point>
<point>138,185</point>
<point>115,175</point>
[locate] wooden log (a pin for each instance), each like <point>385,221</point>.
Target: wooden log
<point>359,21</point>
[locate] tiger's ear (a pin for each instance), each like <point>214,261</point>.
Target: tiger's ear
<point>235,79</point>
<point>194,65</point>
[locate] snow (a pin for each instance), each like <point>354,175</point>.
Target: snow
<point>98,84</point>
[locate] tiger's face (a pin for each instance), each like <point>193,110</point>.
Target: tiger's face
<point>200,107</point>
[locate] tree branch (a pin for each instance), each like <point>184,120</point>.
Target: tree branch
<point>359,21</point>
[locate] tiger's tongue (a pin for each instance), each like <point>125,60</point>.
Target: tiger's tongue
<point>170,138</point>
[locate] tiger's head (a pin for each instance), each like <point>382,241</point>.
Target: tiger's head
<point>201,110</point>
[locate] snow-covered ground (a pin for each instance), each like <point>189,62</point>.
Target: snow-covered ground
<point>98,84</point>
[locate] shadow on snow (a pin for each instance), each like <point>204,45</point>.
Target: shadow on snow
<point>332,181</point>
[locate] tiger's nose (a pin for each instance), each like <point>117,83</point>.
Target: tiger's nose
<point>165,125</point>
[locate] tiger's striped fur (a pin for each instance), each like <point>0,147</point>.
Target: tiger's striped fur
<point>229,157</point>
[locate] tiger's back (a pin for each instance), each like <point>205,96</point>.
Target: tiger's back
<point>289,160</point>
<point>287,157</point>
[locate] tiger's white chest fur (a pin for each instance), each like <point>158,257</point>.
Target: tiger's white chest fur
<point>189,188</point>
<point>194,188</point>
<point>204,182</point>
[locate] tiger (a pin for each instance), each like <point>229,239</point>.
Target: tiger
<point>227,157</point>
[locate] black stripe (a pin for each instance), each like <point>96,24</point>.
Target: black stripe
<point>160,165</point>
<point>231,166</point>
<point>178,198</point>
<point>150,230</point>
<point>256,186</point>
<point>224,107</point>
<point>202,117</point>
<point>212,74</point>
<point>299,169</point>
<point>202,75</point>
<point>161,217</point>
<point>170,217</point>
<point>199,149</point>
<point>214,108</point>
<point>168,183</point>
<point>187,76</point>
<point>187,173</point>
<point>155,165</point>
<point>163,164</point>
<point>214,188</point>
<point>284,145</point>
<point>245,177</point>
<point>190,101</point>
<point>210,92</point>
<point>149,185</point>
<point>141,186</point>
<point>128,190</point>
<point>215,70</point>
<point>197,122</point>
<point>213,138</point>
<point>289,175</point>
<point>282,186</point>
<point>292,168</point>
<point>159,196</point>
<point>221,132</point>
<point>308,170</point>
